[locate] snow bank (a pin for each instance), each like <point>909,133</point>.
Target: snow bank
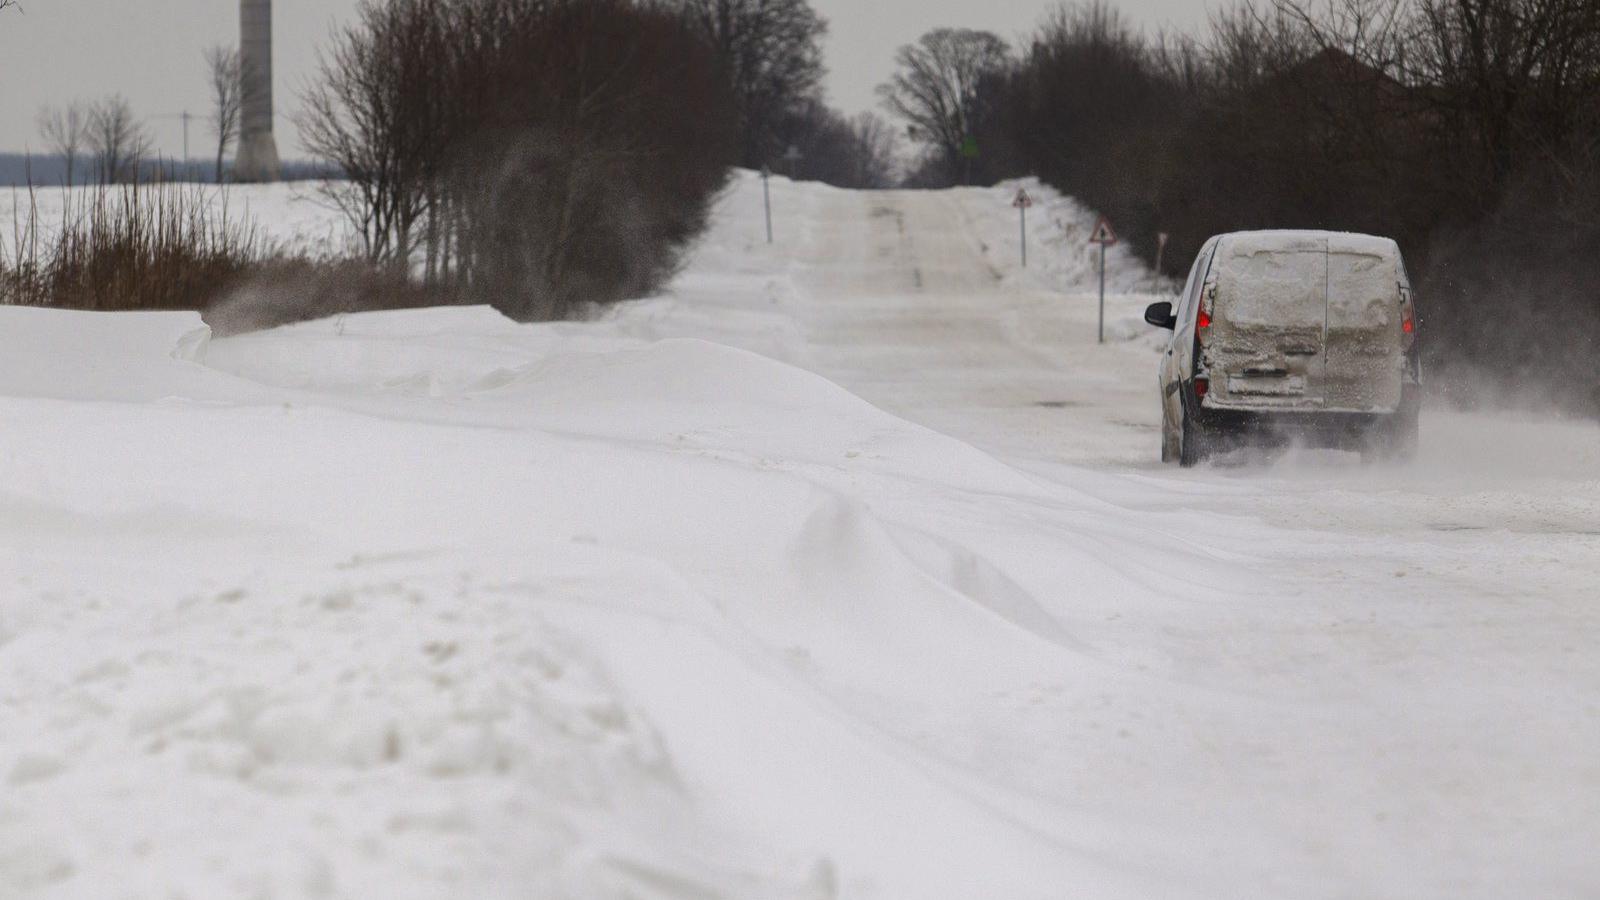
<point>78,355</point>
<point>476,609</point>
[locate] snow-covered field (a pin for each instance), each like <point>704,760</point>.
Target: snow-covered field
<point>843,571</point>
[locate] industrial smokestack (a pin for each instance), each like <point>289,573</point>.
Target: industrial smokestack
<point>258,150</point>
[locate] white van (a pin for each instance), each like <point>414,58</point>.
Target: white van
<point>1282,336</point>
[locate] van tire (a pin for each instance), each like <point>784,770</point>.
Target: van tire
<point>1194,444</point>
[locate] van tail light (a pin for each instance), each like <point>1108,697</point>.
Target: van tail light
<point>1208,297</point>
<point>1202,387</point>
<point>1408,319</point>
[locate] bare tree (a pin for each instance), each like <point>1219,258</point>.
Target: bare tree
<point>1501,75</point>
<point>937,89</point>
<point>770,52</point>
<point>377,113</point>
<point>877,145</point>
<point>226,78</point>
<point>65,130</point>
<point>118,139</point>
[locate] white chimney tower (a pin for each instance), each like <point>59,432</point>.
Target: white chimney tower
<point>258,150</point>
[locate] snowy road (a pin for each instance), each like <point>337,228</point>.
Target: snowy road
<point>1402,656</point>
<point>432,605</point>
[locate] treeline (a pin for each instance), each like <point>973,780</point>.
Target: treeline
<point>1469,130</point>
<point>532,154</point>
<point>770,54</point>
<point>542,155</point>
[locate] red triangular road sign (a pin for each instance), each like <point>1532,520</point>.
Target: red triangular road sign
<point>1023,201</point>
<point>1103,233</point>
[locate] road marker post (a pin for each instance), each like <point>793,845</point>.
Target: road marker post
<point>766,197</point>
<point>792,157</point>
<point>1022,203</point>
<point>1105,237</point>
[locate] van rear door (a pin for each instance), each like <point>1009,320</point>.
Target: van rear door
<point>1266,346</point>
<point>1365,343</point>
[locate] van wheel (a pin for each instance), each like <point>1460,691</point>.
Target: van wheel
<point>1194,445</point>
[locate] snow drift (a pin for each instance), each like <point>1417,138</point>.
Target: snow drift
<point>667,604</point>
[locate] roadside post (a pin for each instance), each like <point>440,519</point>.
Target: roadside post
<point>1105,237</point>
<point>1161,250</point>
<point>766,197</point>
<point>1022,203</point>
<point>792,157</point>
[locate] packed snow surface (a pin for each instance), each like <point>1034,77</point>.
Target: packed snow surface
<point>844,570</point>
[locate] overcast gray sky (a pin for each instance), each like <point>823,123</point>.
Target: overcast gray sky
<point>150,50</point>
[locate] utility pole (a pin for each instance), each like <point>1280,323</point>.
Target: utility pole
<point>185,117</point>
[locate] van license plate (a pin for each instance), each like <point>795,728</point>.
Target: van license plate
<point>1268,385</point>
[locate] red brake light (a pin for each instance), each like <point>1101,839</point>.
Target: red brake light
<point>1408,317</point>
<point>1202,386</point>
<point>1204,321</point>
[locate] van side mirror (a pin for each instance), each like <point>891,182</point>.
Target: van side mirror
<point>1160,315</point>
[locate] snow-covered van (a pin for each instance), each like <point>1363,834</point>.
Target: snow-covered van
<point>1282,336</point>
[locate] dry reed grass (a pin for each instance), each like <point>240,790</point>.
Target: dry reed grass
<point>172,247</point>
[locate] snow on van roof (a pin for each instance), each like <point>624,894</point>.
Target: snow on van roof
<point>1250,243</point>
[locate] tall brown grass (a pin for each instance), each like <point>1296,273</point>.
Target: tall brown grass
<point>175,247</point>
<point>127,247</point>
